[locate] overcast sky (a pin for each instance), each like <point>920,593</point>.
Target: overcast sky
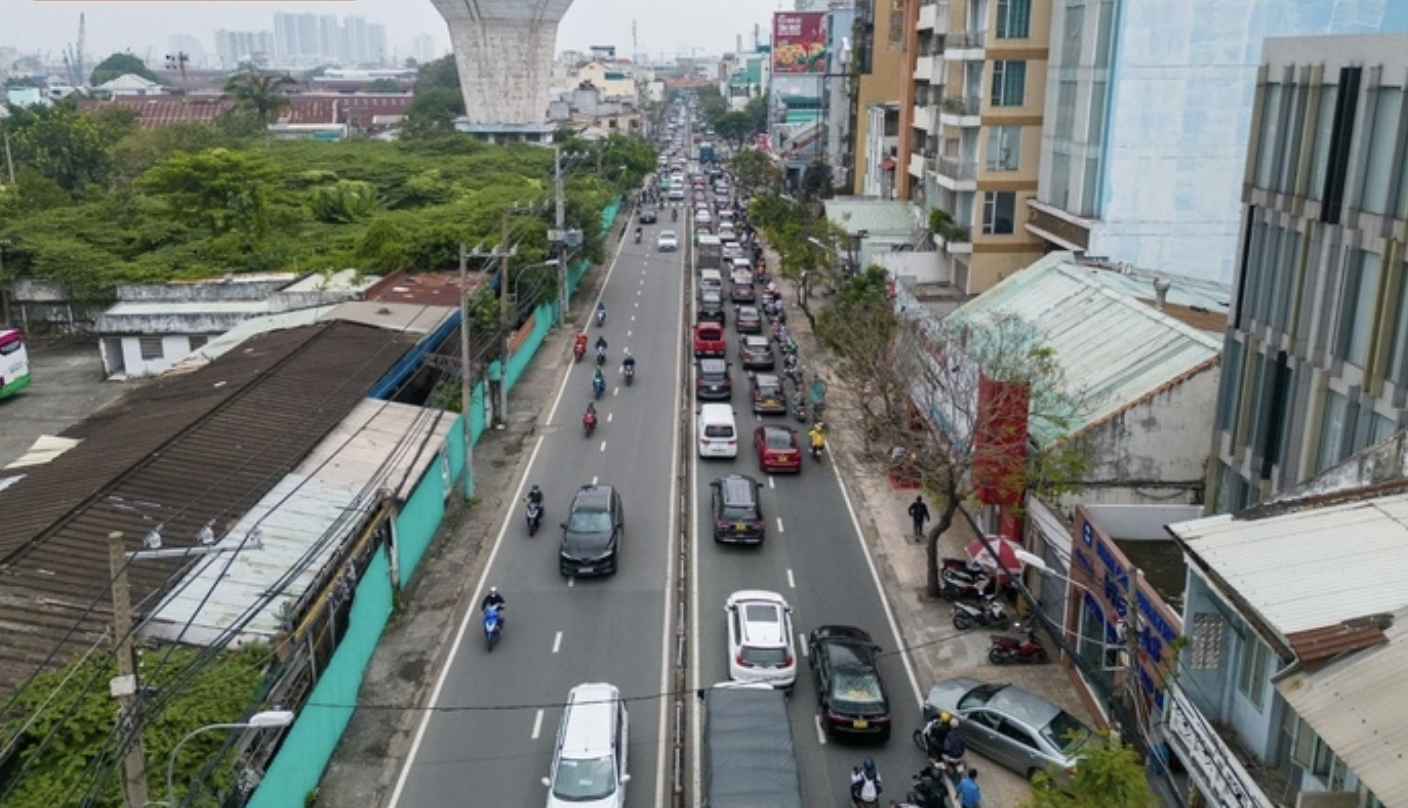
<point>670,27</point>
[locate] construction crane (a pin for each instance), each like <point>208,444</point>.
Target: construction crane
<point>73,56</point>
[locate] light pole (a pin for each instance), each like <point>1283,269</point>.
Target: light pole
<point>268,719</point>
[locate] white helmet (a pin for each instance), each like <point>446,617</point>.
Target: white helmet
<point>493,590</point>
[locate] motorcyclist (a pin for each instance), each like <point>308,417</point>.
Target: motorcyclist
<point>934,733</point>
<point>953,748</point>
<point>598,381</point>
<point>818,436</point>
<point>535,495</point>
<point>638,231</point>
<point>866,784</point>
<point>493,600</point>
<point>628,363</point>
<point>579,345</point>
<point>589,416</point>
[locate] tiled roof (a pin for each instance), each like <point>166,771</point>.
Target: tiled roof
<point>165,110</point>
<point>424,288</point>
<point>178,452</point>
<point>356,110</point>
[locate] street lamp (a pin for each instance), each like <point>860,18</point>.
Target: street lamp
<point>267,719</point>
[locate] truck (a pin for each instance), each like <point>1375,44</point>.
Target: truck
<point>749,759</point>
<point>708,253</point>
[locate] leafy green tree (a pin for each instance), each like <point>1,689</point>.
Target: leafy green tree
<point>384,86</point>
<point>257,94</point>
<point>757,112</point>
<point>71,148</point>
<point>342,202</point>
<point>1110,776</point>
<point>437,101</point>
<point>756,172</point>
<point>117,65</point>
<point>221,191</point>
<point>817,180</point>
<point>735,128</point>
<point>144,148</point>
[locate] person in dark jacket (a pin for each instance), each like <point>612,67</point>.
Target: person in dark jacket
<point>919,513</point>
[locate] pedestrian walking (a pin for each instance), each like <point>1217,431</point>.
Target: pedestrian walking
<point>919,512</point>
<point>969,795</point>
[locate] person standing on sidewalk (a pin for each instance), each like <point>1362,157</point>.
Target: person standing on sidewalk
<point>969,795</point>
<point>919,512</point>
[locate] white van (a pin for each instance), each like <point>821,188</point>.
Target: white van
<point>718,433</point>
<point>589,761</point>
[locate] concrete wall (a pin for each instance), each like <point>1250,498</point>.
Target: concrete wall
<point>503,49</point>
<point>174,348</point>
<point>1179,121</point>
<point>212,291</point>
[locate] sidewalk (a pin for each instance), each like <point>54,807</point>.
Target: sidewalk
<point>936,650</point>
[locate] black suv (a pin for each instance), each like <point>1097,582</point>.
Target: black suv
<point>711,381</point>
<point>738,515</point>
<point>648,214</point>
<point>591,536</point>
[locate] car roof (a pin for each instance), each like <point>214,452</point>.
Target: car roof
<point>592,707</point>
<point>738,487</point>
<point>593,497</point>
<point>772,429</point>
<point>713,365</point>
<point>768,379</point>
<point>1029,708</point>
<point>708,324</point>
<point>752,310</point>
<point>754,339</point>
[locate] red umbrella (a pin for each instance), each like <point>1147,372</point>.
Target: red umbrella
<point>1007,560</point>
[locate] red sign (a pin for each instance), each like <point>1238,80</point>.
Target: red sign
<point>1000,442</point>
<point>799,42</point>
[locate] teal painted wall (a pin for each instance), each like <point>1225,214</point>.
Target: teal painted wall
<point>299,765</point>
<point>419,519</point>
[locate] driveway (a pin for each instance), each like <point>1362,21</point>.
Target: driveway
<point>68,386</point>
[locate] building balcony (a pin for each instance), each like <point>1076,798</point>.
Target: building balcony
<point>925,118</point>
<point>961,112</point>
<point>965,46</point>
<point>929,67</point>
<point>918,164</point>
<point>928,15</point>
<point>956,174</point>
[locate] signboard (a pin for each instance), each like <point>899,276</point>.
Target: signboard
<point>798,42</point>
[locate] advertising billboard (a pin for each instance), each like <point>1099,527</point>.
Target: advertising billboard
<point>798,42</point>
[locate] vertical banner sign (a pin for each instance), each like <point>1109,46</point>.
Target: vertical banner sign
<point>798,42</point>
<point>1000,442</point>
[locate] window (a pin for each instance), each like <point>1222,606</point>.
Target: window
<point>1075,26</point>
<point>1004,148</point>
<point>1231,383</point>
<point>1251,677</point>
<point>1268,140</point>
<point>1341,135</point>
<point>1009,83</point>
<point>1095,127</point>
<point>1359,294</point>
<point>1104,39</point>
<point>1060,188</point>
<point>1066,108</point>
<point>1090,187</point>
<point>150,348</point>
<point>1332,429</point>
<point>1398,351</point>
<point>1383,142</point>
<point>1383,426</point>
<point>999,210</point>
<point>1014,19</point>
<point>1324,129</point>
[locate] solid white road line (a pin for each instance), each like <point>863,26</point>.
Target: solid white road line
<point>791,582</point>
<point>469,614</point>
<point>537,725</point>
<point>557,642</point>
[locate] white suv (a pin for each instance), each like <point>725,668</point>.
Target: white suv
<point>760,639</point>
<point>589,760</point>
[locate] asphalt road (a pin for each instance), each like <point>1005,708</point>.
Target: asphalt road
<point>68,386</point>
<point>814,557</point>
<point>489,738</point>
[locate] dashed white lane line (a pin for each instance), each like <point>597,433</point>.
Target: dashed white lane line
<point>802,644</point>
<point>557,642</point>
<point>571,582</point>
<point>538,725</point>
<point>594,479</point>
<point>780,528</point>
<point>603,446</point>
<point>629,332</point>
<point>615,391</point>
<point>633,317</point>
<point>772,481</point>
<point>820,732</point>
<point>791,584</point>
<point>608,420</point>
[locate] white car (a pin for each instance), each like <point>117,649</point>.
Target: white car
<point>702,216</point>
<point>760,639</point>
<point>667,241</point>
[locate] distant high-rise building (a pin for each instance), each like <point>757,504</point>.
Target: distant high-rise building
<point>235,47</point>
<point>376,43</point>
<point>187,44</point>
<point>423,48</point>
<point>296,36</point>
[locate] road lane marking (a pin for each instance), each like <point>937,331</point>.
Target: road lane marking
<point>594,480</point>
<point>667,648</point>
<point>820,731</point>
<point>571,581</point>
<point>537,725</point>
<point>615,391</point>
<point>608,417</point>
<point>772,481</point>
<point>556,646</point>
<point>791,582</point>
<point>802,643</point>
<point>603,446</point>
<point>780,528</point>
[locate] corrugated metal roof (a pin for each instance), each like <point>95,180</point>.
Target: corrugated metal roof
<point>1113,349</point>
<point>1279,565</point>
<point>876,216</point>
<point>410,318</point>
<point>302,522</point>
<point>182,308</point>
<point>237,336</point>
<point>177,452</point>
<point>1359,707</point>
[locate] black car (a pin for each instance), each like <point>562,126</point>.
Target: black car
<point>711,380</point>
<point>648,214</point>
<point>755,353</point>
<point>738,515</point>
<point>591,536</point>
<point>849,691</point>
<point>711,307</point>
<point>748,320</point>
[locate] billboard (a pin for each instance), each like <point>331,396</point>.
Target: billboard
<point>798,42</point>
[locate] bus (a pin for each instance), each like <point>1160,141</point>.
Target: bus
<point>14,362</point>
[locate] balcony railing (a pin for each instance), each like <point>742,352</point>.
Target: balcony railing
<point>965,40</point>
<point>958,169</point>
<point>958,105</point>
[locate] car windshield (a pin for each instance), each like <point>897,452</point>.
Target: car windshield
<point>767,389</point>
<point>777,439</point>
<point>583,780</point>
<point>978,697</point>
<point>1066,733</point>
<point>856,686</point>
<point>589,522</point>
<point>765,657</point>
<point>738,512</point>
<point>667,234</point>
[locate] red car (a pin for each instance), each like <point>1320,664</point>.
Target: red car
<point>777,449</point>
<point>709,340</point>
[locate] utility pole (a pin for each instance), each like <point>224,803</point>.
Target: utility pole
<point>125,686</point>
<point>506,320</point>
<point>560,222</point>
<point>466,378</point>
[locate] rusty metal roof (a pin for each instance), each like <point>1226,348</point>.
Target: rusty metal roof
<point>178,452</point>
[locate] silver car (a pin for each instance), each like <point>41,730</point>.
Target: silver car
<point>1014,728</point>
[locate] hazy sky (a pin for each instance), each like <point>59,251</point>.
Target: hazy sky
<point>670,27</point>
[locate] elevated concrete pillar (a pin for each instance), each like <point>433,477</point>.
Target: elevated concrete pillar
<point>503,50</point>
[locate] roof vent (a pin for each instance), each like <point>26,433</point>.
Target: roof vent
<point>1161,287</point>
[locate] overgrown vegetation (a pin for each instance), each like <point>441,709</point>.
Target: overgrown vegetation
<point>1110,776</point>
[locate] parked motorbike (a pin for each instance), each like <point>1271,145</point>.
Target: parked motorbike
<point>965,579</point>
<point>1025,650</point>
<point>534,515</point>
<point>493,626</point>
<point>629,371</point>
<point>988,612</point>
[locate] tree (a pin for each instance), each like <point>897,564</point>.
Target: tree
<point>735,128</point>
<point>817,181</point>
<point>258,94</point>
<point>939,399</point>
<point>384,86</point>
<point>437,101</point>
<point>756,172</point>
<point>117,65</point>
<point>1110,776</point>
<point>73,149</point>
<point>225,192</point>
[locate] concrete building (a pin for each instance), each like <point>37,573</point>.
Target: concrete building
<point>882,64</point>
<point>878,153</point>
<point>423,48</point>
<point>1154,104</point>
<point>1317,348</point>
<point>979,76</point>
<point>503,50</point>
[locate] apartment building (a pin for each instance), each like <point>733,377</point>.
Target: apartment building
<point>1316,357</point>
<point>979,98</point>
<point>882,67</point>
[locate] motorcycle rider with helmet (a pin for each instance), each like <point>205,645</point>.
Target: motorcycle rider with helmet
<point>866,785</point>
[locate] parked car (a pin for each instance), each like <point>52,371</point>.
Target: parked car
<point>755,353</point>
<point>667,241</point>
<point>748,320</point>
<point>591,536</point>
<point>760,639</point>
<point>849,690</point>
<point>711,380</point>
<point>777,448</point>
<point>737,512</point>
<point>709,340</point>
<point>768,395</point>
<point>1013,727</point>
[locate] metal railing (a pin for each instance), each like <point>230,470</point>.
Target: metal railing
<point>965,40</point>
<point>958,105</point>
<point>958,169</point>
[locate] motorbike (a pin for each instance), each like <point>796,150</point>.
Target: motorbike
<point>534,514</point>
<point>600,357</point>
<point>588,424</point>
<point>579,350</point>
<point>989,613</point>
<point>601,313</point>
<point>960,579</point>
<point>637,235</point>
<point>1017,650</point>
<point>598,386</point>
<point>951,769</point>
<point>493,626</point>
<point>928,790</point>
<point>629,371</point>
<point>858,802</point>
<point>818,451</point>
<point>796,376</point>
<point>674,215</point>
<point>799,411</point>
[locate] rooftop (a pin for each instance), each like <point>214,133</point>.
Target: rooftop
<point>875,216</point>
<point>424,288</point>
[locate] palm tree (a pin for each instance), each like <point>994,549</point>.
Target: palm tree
<point>258,93</point>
